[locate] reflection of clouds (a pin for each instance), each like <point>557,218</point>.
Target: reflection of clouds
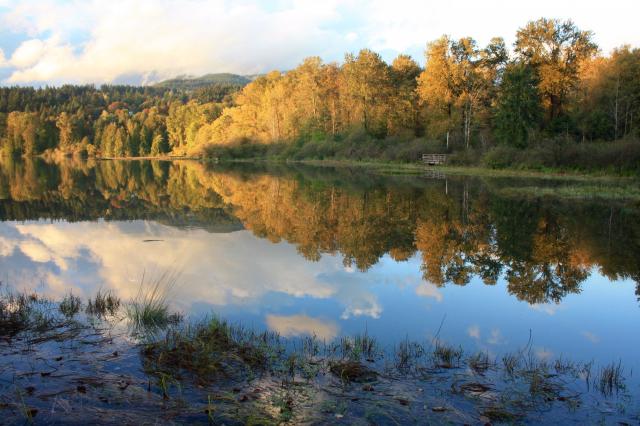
<point>474,331</point>
<point>546,308</point>
<point>299,325</point>
<point>427,289</point>
<point>353,292</point>
<point>216,269</point>
<point>39,253</point>
<point>590,336</point>
<point>496,337</point>
<point>543,353</point>
<point>369,308</point>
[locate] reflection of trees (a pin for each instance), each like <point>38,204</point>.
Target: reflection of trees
<point>111,190</point>
<point>551,272</point>
<point>543,248</point>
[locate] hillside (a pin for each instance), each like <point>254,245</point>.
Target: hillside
<point>191,83</point>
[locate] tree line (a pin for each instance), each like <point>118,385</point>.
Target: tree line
<point>552,85</point>
<point>110,121</point>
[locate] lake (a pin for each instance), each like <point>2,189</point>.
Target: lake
<point>484,263</point>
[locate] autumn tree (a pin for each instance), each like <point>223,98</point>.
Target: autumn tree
<point>69,127</point>
<point>367,88</point>
<point>456,85</point>
<point>555,50</point>
<point>437,87</point>
<point>404,99</point>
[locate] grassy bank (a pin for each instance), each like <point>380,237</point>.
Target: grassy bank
<point>102,359</point>
<point>557,157</point>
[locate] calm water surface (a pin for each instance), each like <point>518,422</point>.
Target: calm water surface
<point>334,251</point>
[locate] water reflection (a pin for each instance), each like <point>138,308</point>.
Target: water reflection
<point>307,250</point>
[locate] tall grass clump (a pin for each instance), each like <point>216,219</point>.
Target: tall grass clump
<point>479,362</point>
<point>447,356</point>
<point>211,348</point>
<point>610,379</point>
<point>70,305</point>
<point>103,304</point>
<point>149,310</point>
<point>15,313</point>
<point>359,346</point>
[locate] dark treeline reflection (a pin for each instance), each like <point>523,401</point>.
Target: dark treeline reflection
<point>544,248</point>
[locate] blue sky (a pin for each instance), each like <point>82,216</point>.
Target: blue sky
<point>141,41</point>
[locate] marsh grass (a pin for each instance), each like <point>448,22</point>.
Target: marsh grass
<point>210,349</point>
<point>15,313</point>
<point>511,363</point>
<point>407,353</point>
<point>21,312</point>
<point>446,356</point>
<point>70,305</point>
<point>610,379</point>
<point>149,311</point>
<point>479,362</point>
<point>104,303</point>
<point>357,347</point>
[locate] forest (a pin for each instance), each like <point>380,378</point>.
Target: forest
<point>552,100</point>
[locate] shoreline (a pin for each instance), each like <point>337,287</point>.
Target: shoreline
<point>418,168</point>
<point>384,166</point>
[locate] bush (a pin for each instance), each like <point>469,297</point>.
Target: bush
<point>617,157</point>
<point>466,157</point>
<point>500,157</point>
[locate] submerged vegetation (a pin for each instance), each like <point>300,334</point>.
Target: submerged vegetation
<point>552,102</point>
<point>211,370</point>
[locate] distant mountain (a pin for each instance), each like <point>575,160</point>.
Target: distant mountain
<point>191,83</point>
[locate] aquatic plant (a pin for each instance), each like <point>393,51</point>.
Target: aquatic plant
<point>447,356</point>
<point>149,311</point>
<point>511,362</point>
<point>479,362</point>
<point>103,304</point>
<point>70,305</point>
<point>407,352</point>
<point>211,347</point>
<point>610,379</point>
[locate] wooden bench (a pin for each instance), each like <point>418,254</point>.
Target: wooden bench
<point>434,159</point>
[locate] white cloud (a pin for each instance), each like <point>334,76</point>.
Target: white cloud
<point>401,24</point>
<point>158,39</point>
<point>28,53</point>
<point>98,41</point>
<point>3,61</point>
